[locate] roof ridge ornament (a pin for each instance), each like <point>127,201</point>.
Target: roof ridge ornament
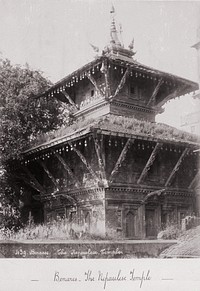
<point>95,48</point>
<point>131,45</point>
<point>116,46</point>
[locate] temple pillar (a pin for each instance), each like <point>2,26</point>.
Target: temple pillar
<point>141,222</point>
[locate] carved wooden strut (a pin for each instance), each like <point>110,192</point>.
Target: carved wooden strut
<point>69,99</point>
<point>149,162</point>
<point>100,161</point>
<point>121,158</point>
<point>67,168</point>
<point>176,168</point>
<point>196,179</point>
<point>51,177</point>
<point>122,82</point>
<point>83,159</point>
<point>155,92</point>
<point>32,181</point>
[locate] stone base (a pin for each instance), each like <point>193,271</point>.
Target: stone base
<point>84,249</point>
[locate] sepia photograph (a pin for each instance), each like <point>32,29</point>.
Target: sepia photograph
<point>99,144</point>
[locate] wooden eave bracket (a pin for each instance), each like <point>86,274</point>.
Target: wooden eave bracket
<point>33,182</point>
<point>120,159</point>
<point>84,161</point>
<point>121,83</point>
<point>155,92</point>
<point>194,180</point>
<point>176,167</point>
<point>51,177</point>
<point>149,162</point>
<point>67,168</point>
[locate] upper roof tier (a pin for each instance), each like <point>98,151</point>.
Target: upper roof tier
<point>114,82</point>
<point>123,62</point>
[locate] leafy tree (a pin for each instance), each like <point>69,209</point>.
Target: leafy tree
<point>22,117</point>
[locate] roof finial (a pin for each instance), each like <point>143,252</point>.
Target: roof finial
<point>112,10</point>
<point>113,31</point>
<point>120,32</point>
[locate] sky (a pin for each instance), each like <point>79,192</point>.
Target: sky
<point>54,35</point>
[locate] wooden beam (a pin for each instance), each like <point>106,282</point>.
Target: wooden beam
<point>92,80</point>
<point>155,92</point>
<point>67,168</point>
<point>120,160</point>
<point>33,179</point>
<point>176,167</point>
<point>100,160</point>
<point>195,179</point>
<point>122,82</point>
<point>83,159</point>
<point>69,99</point>
<point>51,177</point>
<point>149,163</point>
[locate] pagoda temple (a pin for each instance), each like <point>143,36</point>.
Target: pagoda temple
<point>114,170</point>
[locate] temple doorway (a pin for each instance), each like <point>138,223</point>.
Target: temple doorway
<point>150,223</point>
<point>87,221</point>
<point>130,224</point>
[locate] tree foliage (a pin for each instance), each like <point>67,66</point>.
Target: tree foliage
<point>22,117</point>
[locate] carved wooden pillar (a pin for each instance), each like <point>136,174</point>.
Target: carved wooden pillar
<point>141,221</point>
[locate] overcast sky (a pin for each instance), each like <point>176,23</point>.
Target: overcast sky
<point>54,36</point>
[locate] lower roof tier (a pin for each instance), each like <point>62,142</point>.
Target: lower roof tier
<point>118,126</point>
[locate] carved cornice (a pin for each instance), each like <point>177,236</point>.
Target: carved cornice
<point>74,194</point>
<point>135,107</point>
<point>168,192</point>
<point>84,191</point>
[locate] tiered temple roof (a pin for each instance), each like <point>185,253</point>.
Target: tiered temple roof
<point>117,126</point>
